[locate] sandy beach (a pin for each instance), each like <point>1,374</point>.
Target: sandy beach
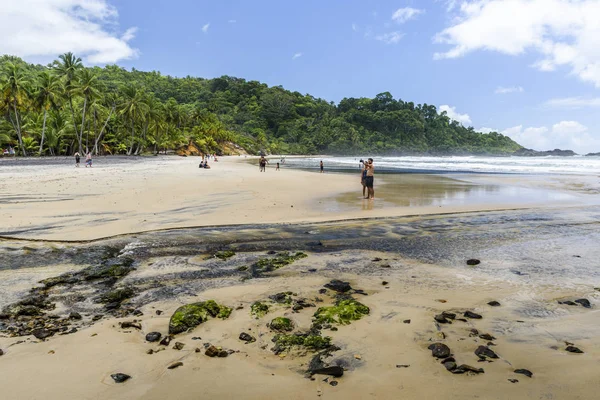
<point>406,262</point>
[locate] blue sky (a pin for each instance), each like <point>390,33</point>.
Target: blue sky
<point>527,68</point>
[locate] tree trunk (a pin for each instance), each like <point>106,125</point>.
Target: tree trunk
<point>83,122</point>
<point>102,131</point>
<point>43,131</point>
<point>132,137</point>
<point>75,124</point>
<point>18,125</point>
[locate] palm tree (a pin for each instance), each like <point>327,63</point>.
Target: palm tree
<point>48,90</point>
<point>133,107</point>
<point>15,91</point>
<point>67,69</point>
<point>88,86</point>
<point>110,101</point>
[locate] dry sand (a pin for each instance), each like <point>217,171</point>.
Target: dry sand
<point>60,202</point>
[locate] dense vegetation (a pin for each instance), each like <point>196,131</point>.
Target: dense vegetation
<point>65,107</point>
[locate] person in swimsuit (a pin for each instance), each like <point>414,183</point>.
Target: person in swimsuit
<point>88,160</point>
<point>369,178</point>
<point>263,164</point>
<point>321,166</point>
<point>363,178</point>
<point>277,169</point>
<point>77,159</point>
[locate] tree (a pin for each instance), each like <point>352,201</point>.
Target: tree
<point>67,68</point>
<point>87,86</point>
<point>15,92</point>
<point>47,95</point>
<point>132,107</point>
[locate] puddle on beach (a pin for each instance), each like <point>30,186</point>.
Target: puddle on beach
<point>426,190</point>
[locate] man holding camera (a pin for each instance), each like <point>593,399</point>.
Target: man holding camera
<point>368,179</point>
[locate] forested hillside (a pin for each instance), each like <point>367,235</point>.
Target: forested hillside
<point>66,107</point>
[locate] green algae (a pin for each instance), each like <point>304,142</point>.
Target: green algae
<point>117,295</point>
<point>312,342</point>
<point>191,315</point>
<point>343,312</point>
<point>111,270</point>
<point>282,324</point>
<point>224,255</point>
<point>280,261</point>
<point>259,309</point>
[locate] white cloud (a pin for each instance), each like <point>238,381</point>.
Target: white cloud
<point>205,27</point>
<point>566,135</point>
<point>452,114</point>
<point>506,90</point>
<point>44,29</point>
<point>232,21</point>
<point>402,15</point>
<point>562,32</point>
<point>574,102</point>
<point>297,55</point>
<point>354,27</point>
<point>486,130</point>
<point>390,38</point>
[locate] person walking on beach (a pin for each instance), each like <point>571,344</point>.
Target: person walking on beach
<point>369,179</point>
<point>277,169</point>
<point>88,160</point>
<point>77,159</point>
<point>321,166</point>
<point>263,164</point>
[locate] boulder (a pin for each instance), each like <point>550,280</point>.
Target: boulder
<point>439,350</point>
<point>335,371</point>
<point>246,337</point>
<point>470,314</point>
<point>120,378</point>
<point>191,315</point>
<point>153,337</point>
<point>525,372</point>
<point>484,351</point>
<point>338,286</point>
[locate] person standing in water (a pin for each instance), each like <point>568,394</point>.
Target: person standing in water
<point>321,166</point>
<point>369,178</point>
<point>77,159</point>
<point>88,160</point>
<point>363,177</point>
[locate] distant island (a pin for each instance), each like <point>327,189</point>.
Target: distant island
<point>64,107</point>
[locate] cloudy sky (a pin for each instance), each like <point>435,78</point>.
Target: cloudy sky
<point>527,68</point>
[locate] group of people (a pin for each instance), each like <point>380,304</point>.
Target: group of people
<point>367,177</point>
<point>204,164</point>
<point>88,159</point>
<point>9,151</point>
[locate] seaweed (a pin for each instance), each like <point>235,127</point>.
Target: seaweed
<point>259,309</point>
<point>343,312</point>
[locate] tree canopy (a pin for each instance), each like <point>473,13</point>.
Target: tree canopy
<point>65,107</point>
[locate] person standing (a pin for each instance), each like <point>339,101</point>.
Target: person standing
<point>369,178</point>
<point>363,177</point>
<point>88,160</point>
<point>321,166</point>
<point>277,169</point>
<point>77,159</point>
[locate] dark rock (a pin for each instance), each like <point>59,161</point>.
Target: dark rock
<point>75,315</point>
<point>474,332</point>
<point>175,365</point>
<point>573,349</point>
<point>470,314</point>
<point>402,366</point>
<point>112,306</point>
<point>166,340</point>
<point>153,337</point>
<point>473,261</point>
<point>282,298</point>
<point>450,365</point>
<point>406,321</point>
<point>158,312</point>
<point>449,315</point>
<point>97,317</point>
<point>198,350</point>
<point>333,383</point>
<point>467,368</point>
<point>486,336</point>
<point>223,353</point>
<point>179,346</point>
<point>247,337</point>
<point>376,259</point>
<point>338,286</point>
<point>384,283</point>
<point>525,372</point>
<point>584,302</point>
<point>386,266</point>
<point>461,319</point>
<point>568,303</point>
<point>196,338</point>
<point>441,319</point>
<point>42,333</point>
<point>484,351</point>
<point>211,351</point>
<point>1,352</point>
<point>149,351</point>
<point>131,324</point>
<point>439,350</point>
<point>494,303</point>
<point>335,371</point>
<point>513,380</point>
<point>138,313</point>
<point>4,316</point>
<point>120,378</point>
<point>322,291</point>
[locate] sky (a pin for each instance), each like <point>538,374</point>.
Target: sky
<point>529,69</point>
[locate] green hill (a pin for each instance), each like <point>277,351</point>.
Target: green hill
<point>65,107</point>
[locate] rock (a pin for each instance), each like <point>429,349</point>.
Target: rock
<point>191,315</point>
<point>281,324</point>
<point>384,283</point>
<point>449,315</point>
<point>441,319</point>
<point>282,298</point>
<point>97,317</point>
<point>247,337</point>
<point>573,349</point>
<point>450,365</point>
<point>376,259</point>
<point>166,340</point>
<point>584,302</point>
<point>473,262</point>
<point>1,352</point>
<point>333,383</point>
<point>149,351</point>
<point>484,351</point>
<point>197,350</point>
<point>467,368</point>
<point>568,303</point>
<point>130,324</point>
<point>470,314</point>
<point>406,321</point>
<point>441,301</point>
<point>153,337</point>
<point>179,346</point>
<point>494,303</point>
<point>525,372</point>
<point>211,351</point>
<point>138,313</point>
<point>158,312</point>
<point>42,333</point>
<point>402,366</point>
<point>486,336</point>
<point>175,365</point>
<point>120,378</point>
<point>223,353</point>
<point>338,286</point>
<point>513,380</point>
<point>335,371</point>
<point>75,315</point>
<point>322,291</point>
<point>439,350</point>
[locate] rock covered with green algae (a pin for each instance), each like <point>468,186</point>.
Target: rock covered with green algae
<point>115,268</point>
<point>191,315</point>
<point>117,295</point>
<point>259,309</point>
<point>284,342</point>
<point>271,264</point>
<point>282,324</point>
<point>224,255</point>
<point>343,312</point>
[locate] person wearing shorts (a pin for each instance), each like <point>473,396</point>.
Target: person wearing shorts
<point>321,166</point>
<point>88,160</point>
<point>369,179</point>
<point>77,159</point>
<point>363,179</point>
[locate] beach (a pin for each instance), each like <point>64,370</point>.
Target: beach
<point>179,235</point>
